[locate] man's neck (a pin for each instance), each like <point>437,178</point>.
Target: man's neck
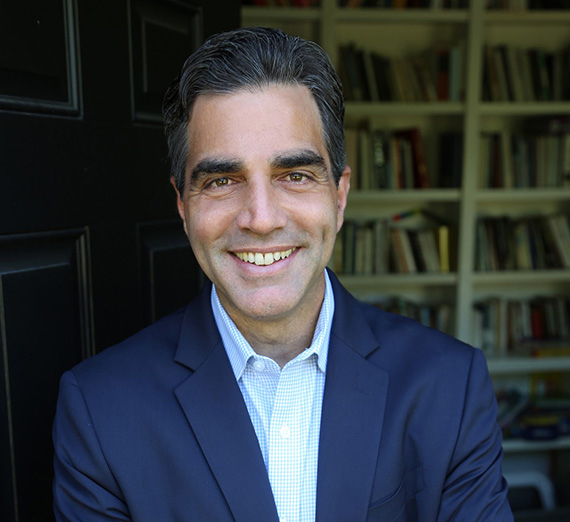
<point>280,338</point>
<point>281,342</point>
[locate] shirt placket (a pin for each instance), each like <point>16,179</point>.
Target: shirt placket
<point>288,439</point>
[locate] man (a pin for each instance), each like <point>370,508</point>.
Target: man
<point>275,395</point>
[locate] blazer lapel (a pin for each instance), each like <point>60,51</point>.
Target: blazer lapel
<point>214,407</point>
<point>352,416</point>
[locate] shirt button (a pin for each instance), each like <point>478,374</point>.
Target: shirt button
<point>285,431</point>
<point>258,365</point>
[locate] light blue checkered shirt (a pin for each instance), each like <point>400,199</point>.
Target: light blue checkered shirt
<point>285,409</point>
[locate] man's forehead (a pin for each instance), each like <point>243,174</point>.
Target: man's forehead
<point>302,95</point>
<point>275,120</point>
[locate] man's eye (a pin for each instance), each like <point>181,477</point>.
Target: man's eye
<point>297,176</point>
<point>220,182</point>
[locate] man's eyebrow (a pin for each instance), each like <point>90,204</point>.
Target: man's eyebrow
<point>301,158</point>
<point>215,166</point>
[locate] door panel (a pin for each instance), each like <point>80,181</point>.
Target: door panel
<point>39,70</point>
<point>44,277</point>
<point>91,246</point>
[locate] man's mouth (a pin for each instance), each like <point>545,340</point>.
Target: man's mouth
<point>257,258</point>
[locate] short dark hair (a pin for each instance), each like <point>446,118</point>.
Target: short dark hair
<point>253,58</point>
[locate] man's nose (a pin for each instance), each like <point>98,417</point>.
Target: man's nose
<point>262,211</point>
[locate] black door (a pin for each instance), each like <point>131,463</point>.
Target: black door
<point>91,248</point>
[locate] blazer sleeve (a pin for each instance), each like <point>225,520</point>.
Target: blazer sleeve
<point>475,488</point>
<point>84,488</point>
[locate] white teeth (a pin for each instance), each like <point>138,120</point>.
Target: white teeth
<point>260,259</point>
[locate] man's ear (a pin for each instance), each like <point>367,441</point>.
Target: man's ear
<point>342,196</point>
<point>179,202</point>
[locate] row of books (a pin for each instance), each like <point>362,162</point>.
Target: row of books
<point>529,243</point>
<point>382,246</point>
<point>437,75</point>
<point>523,160</point>
<point>406,4</point>
<point>526,75</point>
<point>440,316</point>
<point>535,327</point>
<point>542,414</point>
<point>383,159</point>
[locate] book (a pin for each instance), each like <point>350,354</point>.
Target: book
<point>490,75</point>
<point>514,74</point>
<point>565,159</point>
<point>413,136</point>
<point>381,247</point>
<point>442,79</point>
<point>397,251</point>
<point>370,76</point>
<point>425,78</point>
<point>501,72</point>
<point>443,248</point>
<point>454,72</point>
<point>396,178</point>
<point>545,92</point>
<point>353,80</point>
<point>450,159</point>
<point>430,251</point>
<point>381,68</point>
<point>408,252</point>
<point>381,159</point>
<point>526,75</point>
<point>508,175</point>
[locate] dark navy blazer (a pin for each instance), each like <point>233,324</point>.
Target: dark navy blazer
<point>155,429</point>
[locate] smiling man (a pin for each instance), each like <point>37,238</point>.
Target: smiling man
<point>262,210</point>
<point>275,395</point>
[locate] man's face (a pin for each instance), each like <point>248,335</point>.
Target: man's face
<point>260,206</point>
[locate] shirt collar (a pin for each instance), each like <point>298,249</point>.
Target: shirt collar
<point>240,351</point>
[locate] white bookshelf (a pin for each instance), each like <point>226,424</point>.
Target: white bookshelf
<point>404,32</point>
<point>518,446</point>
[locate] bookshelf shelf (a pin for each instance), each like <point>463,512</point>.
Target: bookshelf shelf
<point>263,14</point>
<point>528,446</point>
<point>501,278</point>
<point>368,197</point>
<point>534,195</point>
<point>391,282</point>
<point>368,109</point>
<point>524,365</point>
<point>527,17</point>
<point>387,16</point>
<point>524,108</point>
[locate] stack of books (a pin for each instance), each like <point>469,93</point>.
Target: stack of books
<point>389,246</point>
<point>527,243</point>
